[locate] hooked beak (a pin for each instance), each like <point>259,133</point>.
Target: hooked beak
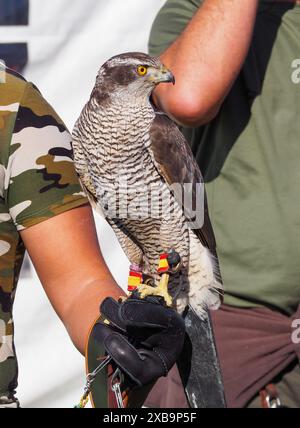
<point>168,76</point>
<point>161,75</point>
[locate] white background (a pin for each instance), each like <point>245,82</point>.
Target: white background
<point>68,41</point>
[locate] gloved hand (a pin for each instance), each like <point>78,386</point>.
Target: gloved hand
<point>144,337</point>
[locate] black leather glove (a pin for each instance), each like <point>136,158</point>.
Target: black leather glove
<point>144,337</point>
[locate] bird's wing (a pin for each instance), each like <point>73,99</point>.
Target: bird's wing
<point>91,194</point>
<point>129,244</point>
<point>82,169</point>
<point>175,162</point>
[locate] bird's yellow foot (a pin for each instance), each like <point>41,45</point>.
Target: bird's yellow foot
<point>161,290</point>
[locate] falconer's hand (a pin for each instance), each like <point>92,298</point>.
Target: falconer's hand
<point>143,336</point>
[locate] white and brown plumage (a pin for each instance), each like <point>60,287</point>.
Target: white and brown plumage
<point>120,138</point>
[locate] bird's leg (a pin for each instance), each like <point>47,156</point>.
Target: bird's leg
<point>169,263</point>
<point>136,280</point>
<point>160,290</point>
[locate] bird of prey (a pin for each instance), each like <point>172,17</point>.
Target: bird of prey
<point>135,166</point>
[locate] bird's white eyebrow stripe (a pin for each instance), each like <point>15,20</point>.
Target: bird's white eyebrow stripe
<point>124,61</point>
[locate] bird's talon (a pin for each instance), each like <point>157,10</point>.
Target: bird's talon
<point>146,290</point>
<point>176,268</point>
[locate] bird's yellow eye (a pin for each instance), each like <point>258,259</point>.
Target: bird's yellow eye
<point>142,70</point>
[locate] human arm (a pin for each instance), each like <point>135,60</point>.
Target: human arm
<point>206,59</point>
<point>66,255</point>
<point>68,260</point>
<point>48,210</point>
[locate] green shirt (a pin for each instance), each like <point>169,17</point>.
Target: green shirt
<point>250,157</point>
<point>37,181</point>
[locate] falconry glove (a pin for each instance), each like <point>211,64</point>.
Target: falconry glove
<point>143,336</point>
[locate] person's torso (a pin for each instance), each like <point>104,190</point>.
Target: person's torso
<point>249,156</point>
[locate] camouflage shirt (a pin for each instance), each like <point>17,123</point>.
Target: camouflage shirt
<point>37,181</point>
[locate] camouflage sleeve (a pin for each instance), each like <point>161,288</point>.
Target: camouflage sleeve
<point>40,179</point>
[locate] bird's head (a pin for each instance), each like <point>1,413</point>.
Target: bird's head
<point>132,74</point>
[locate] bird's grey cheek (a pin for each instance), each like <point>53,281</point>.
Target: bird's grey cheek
<point>123,76</point>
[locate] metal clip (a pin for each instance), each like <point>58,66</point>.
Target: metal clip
<point>90,377</point>
<point>273,402</point>
<point>116,381</point>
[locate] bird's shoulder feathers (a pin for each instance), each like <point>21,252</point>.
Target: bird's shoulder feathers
<point>175,162</point>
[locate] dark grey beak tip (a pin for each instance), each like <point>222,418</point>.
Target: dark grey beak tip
<point>171,77</point>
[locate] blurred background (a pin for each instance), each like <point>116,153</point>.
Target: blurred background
<point>60,45</point>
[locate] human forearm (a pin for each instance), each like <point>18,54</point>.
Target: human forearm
<point>82,291</point>
<point>83,308</point>
<point>66,255</point>
<point>206,59</point>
